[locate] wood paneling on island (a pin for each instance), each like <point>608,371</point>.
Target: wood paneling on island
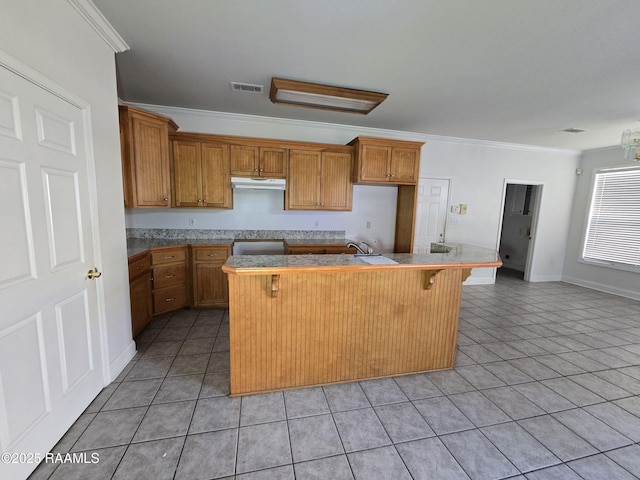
<point>297,325</point>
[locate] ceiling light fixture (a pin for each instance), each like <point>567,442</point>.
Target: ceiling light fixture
<point>630,144</point>
<point>324,97</point>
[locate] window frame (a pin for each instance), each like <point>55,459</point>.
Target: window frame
<point>588,220</point>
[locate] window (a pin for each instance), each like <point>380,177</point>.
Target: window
<point>613,229</point>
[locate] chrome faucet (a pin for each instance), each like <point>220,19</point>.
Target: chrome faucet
<point>359,249</point>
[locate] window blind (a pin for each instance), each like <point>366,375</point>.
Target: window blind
<point>613,230</point>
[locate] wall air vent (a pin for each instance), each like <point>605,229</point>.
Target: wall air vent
<point>246,87</point>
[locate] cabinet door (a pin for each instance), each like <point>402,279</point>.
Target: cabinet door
<point>303,181</point>
<point>244,160</point>
<point>216,181</point>
<point>151,163</point>
<point>335,181</point>
<point>210,285</point>
<point>209,281</point>
<point>273,162</point>
<point>374,163</point>
<point>140,294</point>
<point>404,165</point>
<point>186,174</point>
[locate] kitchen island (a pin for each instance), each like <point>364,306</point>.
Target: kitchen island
<point>302,320</point>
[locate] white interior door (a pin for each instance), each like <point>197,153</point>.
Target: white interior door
<point>50,346</point>
<point>431,213</point>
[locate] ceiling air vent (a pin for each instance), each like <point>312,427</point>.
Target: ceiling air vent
<point>246,87</point>
<point>573,130</point>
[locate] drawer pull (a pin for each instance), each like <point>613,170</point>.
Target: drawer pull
<point>167,257</point>
<point>169,276</point>
<point>212,254</point>
<point>139,267</point>
<point>169,299</point>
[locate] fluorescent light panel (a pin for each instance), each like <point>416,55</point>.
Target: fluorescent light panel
<point>325,97</point>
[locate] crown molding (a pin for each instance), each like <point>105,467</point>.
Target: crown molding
<point>100,24</point>
<point>353,131</point>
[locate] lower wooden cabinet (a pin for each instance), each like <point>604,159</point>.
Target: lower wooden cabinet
<point>209,281</point>
<point>169,267</point>
<point>140,292</point>
<point>318,249</point>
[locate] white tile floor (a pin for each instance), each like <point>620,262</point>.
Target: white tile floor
<point>546,386</point>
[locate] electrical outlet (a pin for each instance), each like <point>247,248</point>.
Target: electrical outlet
<point>368,224</point>
<point>316,223</point>
<point>192,222</point>
<point>455,208</point>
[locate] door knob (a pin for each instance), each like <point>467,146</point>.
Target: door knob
<point>91,274</point>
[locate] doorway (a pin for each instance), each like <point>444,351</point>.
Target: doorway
<point>517,234</point>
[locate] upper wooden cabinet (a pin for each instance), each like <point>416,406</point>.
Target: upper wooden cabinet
<point>319,180</point>
<point>200,174</point>
<point>144,138</point>
<point>256,161</point>
<point>383,161</point>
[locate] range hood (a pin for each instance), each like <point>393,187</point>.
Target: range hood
<point>258,183</point>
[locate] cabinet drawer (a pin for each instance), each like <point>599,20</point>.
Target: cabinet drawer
<point>168,256</point>
<point>170,298</point>
<point>211,254</point>
<point>139,266</point>
<point>169,275</point>
<point>340,249</point>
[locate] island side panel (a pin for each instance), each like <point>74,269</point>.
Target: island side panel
<point>325,328</point>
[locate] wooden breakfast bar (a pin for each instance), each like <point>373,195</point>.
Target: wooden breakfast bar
<point>302,320</point>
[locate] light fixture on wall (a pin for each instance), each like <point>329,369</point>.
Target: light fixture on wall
<point>630,144</point>
<point>324,97</point>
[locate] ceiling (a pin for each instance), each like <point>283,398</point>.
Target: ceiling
<point>516,71</point>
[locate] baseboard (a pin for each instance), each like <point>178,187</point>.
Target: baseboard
<point>479,281</point>
<point>545,278</point>
<point>634,295</point>
<point>122,360</point>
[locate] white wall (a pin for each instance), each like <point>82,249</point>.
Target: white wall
<point>606,279</point>
<point>52,38</point>
<point>478,172</point>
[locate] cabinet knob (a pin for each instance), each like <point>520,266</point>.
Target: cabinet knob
<point>169,299</point>
<point>165,199</point>
<point>204,200</point>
